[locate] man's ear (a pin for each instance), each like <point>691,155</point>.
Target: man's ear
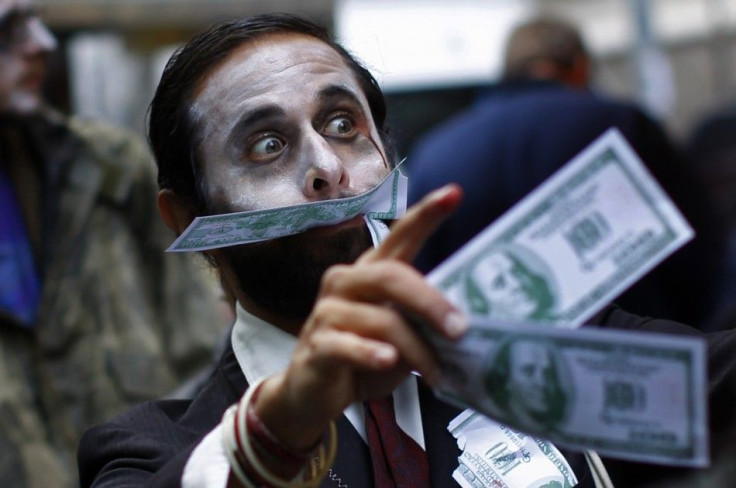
<point>175,211</point>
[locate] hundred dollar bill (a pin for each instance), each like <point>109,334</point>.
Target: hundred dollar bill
<point>629,395</point>
<point>386,201</point>
<point>496,455</point>
<point>572,245</point>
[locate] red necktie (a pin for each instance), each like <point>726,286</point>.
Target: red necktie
<point>398,461</point>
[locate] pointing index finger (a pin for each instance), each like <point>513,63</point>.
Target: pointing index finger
<point>409,234</point>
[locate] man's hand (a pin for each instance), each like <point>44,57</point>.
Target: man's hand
<point>356,345</point>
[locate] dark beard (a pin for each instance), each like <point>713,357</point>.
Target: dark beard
<point>283,275</point>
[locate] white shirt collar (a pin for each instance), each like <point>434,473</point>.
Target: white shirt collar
<point>263,349</point>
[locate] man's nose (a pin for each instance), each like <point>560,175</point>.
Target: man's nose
<point>326,175</point>
<point>38,38</point>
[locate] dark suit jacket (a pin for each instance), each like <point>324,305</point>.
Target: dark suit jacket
<point>150,444</point>
<point>518,135</point>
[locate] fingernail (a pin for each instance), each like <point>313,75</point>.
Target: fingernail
<point>455,324</point>
<point>383,354</point>
<point>441,194</point>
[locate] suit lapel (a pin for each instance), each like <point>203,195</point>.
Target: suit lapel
<point>225,387</point>
<point>352,468</point>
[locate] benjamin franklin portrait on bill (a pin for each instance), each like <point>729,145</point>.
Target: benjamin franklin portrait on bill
<point>526,379</point>
<point>506,283</point>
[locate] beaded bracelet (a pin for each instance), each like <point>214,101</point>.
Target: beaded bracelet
<point>242,429</point>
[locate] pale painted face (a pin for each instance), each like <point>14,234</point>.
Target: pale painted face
<point>284,122</point>
<point>25,43</point>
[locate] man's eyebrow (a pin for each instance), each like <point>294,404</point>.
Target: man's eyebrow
<point>252,117</point>
<point>336,91</point>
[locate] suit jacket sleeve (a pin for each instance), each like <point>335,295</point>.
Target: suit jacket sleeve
<point>144,447</point>
<point>151,444</point>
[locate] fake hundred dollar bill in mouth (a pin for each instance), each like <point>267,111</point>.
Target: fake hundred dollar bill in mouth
<point>386,201</point>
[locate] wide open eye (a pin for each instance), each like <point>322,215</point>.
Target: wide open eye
<point>265,148</point>
<point>340,126</point>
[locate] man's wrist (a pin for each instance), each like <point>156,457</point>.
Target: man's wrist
<point>272,406</point>
<point>258,458</point>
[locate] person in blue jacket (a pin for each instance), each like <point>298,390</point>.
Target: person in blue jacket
<point>525,128</point>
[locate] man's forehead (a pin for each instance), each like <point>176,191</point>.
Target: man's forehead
<point>273,41</point>
<point>267,68</point>
<point>274,55</point>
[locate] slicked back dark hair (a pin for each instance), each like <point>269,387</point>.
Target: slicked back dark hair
<point>172,128</point>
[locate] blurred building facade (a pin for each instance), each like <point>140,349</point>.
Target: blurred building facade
<point>677,56</point>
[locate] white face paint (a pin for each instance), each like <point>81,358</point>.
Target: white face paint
<point>284,122</point>
<point>25,43</point>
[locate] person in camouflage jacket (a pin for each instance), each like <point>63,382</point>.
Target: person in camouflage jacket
<point>113,319</point>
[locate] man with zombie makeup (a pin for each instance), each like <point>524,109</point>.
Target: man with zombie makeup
<point>316,385</point>
<point>93,316</point>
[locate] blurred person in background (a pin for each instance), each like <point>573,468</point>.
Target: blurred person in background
<point>539,117</point>
<point>93,315</point>
<point>712,152</point>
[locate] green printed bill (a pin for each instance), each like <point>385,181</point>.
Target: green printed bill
<point>624,394</point>
<point>497,455</point>
<point>572,245</point>
<point>386,201</point>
